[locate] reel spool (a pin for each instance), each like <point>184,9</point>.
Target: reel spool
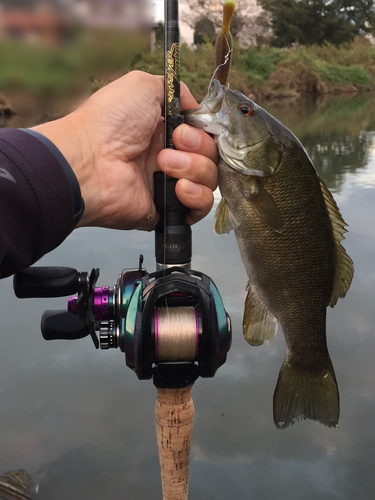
<point>170,324</point>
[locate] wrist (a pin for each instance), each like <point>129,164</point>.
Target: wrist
<point>70,137</point>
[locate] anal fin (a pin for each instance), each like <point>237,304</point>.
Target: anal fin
<point>259,325</point>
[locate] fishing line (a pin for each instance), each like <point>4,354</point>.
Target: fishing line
<point>165,224</point>
<point>166,112</point>
<point>176,333</point>
<point>230,50</point>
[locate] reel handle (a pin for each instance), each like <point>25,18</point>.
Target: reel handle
<point>47,282</point>
<point>62,325</point>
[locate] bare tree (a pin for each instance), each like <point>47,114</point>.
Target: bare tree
<point>250,25</point>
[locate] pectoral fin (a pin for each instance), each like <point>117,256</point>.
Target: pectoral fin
<point>224,220</point>
<point>263,205</point>
<point>259,325</point>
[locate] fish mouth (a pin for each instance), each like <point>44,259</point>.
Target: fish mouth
<point>212,102</point>
<point>212,117</point>
<point>205,117</point>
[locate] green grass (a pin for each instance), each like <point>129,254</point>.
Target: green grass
<point>50,73</point>
<point>259,64</point>
<point>270,70</point>
<point>337,73</point>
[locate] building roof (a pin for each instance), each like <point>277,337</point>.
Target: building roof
<point>29,4</point>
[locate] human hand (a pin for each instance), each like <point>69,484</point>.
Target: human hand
<point>114,142</point>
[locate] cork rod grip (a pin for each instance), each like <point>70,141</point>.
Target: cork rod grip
<point>174,416</point>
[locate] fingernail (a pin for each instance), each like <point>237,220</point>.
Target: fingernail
<point>192,188</point>
<point>176,159</point>
<point>190,137</point>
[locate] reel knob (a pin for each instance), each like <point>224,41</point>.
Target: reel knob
<point>47,282</point>
<point>107,335</point>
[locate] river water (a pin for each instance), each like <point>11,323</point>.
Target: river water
<point>82,424</point>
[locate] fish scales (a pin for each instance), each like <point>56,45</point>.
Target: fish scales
<point>278,262</point>
<point>288,229</point>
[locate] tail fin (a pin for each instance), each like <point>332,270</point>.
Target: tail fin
<point>302,394</point>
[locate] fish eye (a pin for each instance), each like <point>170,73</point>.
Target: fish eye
<point>246,109</point>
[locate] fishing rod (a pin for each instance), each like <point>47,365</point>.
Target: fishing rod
<point>171,324</point>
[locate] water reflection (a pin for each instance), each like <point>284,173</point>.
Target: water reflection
<point>338,135</point>
<point>81,422</point>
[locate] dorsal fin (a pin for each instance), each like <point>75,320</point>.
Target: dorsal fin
<point>344,264</point>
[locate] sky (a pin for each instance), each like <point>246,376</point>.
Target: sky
<point>159,10</point>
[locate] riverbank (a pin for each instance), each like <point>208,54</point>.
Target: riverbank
<point>271,73</point>
<point>37,80</point>
<point>277,73</point>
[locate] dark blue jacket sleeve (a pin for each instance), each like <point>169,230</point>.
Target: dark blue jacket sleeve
<point>40,200</point>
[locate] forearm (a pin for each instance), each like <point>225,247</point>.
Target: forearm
<point>37,205</point>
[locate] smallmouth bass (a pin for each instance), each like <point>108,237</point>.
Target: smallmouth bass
<point>289,232</point>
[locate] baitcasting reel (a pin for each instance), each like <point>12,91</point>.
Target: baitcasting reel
<point>170,323</point>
